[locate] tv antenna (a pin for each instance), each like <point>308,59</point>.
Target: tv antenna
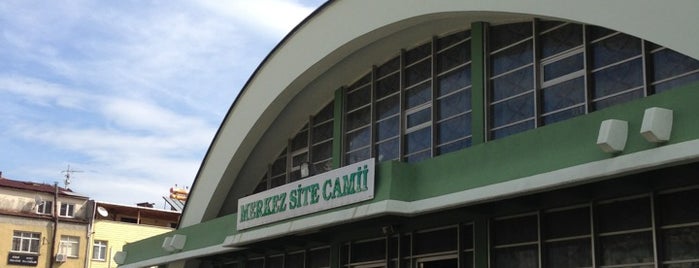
<point>68,173</point>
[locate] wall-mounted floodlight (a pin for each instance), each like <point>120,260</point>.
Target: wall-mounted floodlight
<point>612,135</point>
<point>657,124</point>
<point>175,242</point>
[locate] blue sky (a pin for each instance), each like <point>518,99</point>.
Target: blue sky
<point>130,93</point>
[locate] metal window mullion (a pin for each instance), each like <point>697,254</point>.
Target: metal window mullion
<point>587,58</point>
<point>401,101</point>
<point>372,112</point>
<point>538,228</point>
<point>289,161</point>
<point>485,65</point>
<point>309,142</point>
<point>656,234</point>
<point>537,81</point>
<point>459,245</point>
<point>433,93</point>
<point>593,236</point>
<point>646,65</point>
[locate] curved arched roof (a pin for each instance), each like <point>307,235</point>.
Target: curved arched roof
<point>343,33</point>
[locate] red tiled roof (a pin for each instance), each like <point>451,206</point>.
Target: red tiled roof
<point>34,186</point>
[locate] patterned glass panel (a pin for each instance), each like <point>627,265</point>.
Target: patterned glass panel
<point>454,129</point>
<point>629,96</point>
<point>418,140</point>
<point>629,248</point>
<point>453,146</point>
<point>300,141</point>
<point>358,139</point>
<point>418,73</point>
<point>453,57</point>
<point>681,243</point>
<point>504,35</point>
<point>597,32</point>
<point>618,78</point>
<point>325,114</point>
<point>390,66</point>
<point>322,132</point>
<point>359,98</point>
<point>387,150</point>
<point>454,80</point>
<point>624,215</point>
<point>561,39</point>
<point>548,24</point>
<point>358,118</point>
<point>512,84</point>
<point>296,160</point>
<point>449,40</point>
<point>668,63</point>
<point>418,95</point>
<point>418,53</point>
<point>387,128</point>
<point>566,94</point>
<point>453,104</point>
<point>514,129</point>
<point>520,257</point>
<point>388,85</point>
<point>563,115</point>
<point>515,230</point>
<point>387,107</point>
<point>513,110</point>
<point>566,223</point>
<point>614,49</point>
<point>279,166</point>
<point>357,156</point>
<point>679,207</point>
<point>570,253</point>
<point>512,58</point>
<point>418,157</point>
<point>677,82</point>
<point>322,151</point>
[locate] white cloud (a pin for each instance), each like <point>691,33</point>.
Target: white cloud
<point>40,92</point>
<point>276,17</point>
<point>130,93</point>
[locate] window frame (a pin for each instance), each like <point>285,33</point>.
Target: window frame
<point>67,210</point>
<point>23,237</point>
<point>99,250</point>
<point>45,207</point>
<point>70,246</point>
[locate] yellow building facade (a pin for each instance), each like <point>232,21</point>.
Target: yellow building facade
<point>117,225</point>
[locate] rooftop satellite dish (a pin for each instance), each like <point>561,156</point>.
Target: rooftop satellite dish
<point>102,211</point>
